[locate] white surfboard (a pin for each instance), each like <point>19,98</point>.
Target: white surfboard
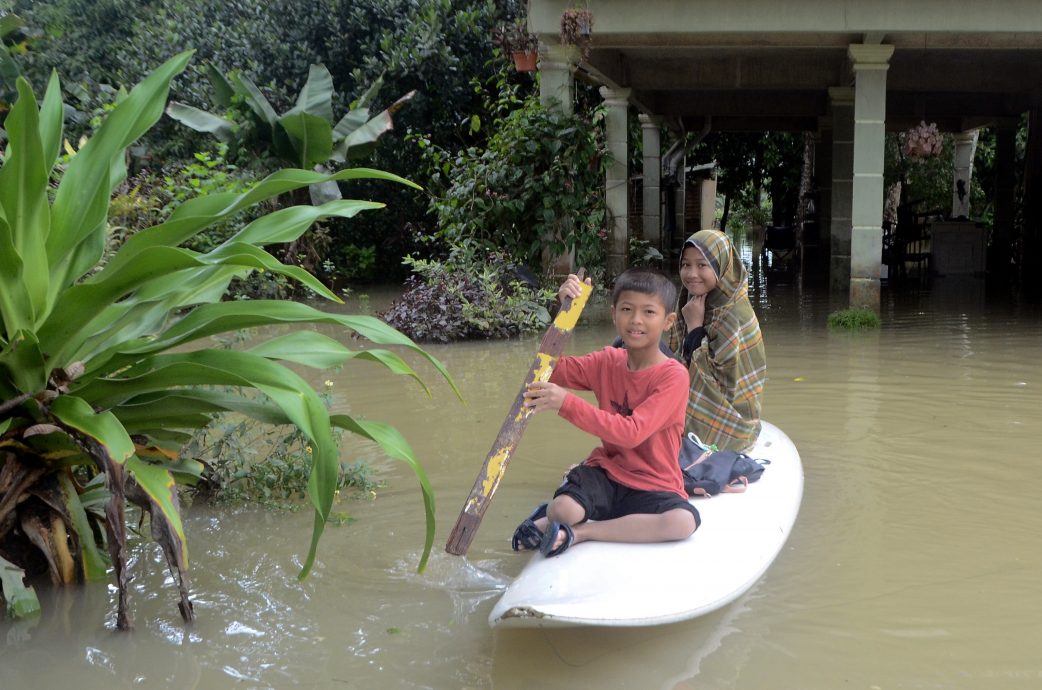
<point>607,584</point>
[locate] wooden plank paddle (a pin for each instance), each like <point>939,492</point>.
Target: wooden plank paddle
<point>491,473</point>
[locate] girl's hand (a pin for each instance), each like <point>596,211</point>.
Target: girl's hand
<point>694,312</point>
<point>571,287</point>
<point>544,396</point>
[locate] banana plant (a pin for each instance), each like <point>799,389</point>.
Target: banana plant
<point>103,369</point>
<point>305,135</point>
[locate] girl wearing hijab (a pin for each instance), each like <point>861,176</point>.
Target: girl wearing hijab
<point>719,338</point>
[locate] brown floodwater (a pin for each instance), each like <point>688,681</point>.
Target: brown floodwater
<point>914,562</point>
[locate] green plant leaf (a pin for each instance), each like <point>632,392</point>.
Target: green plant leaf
<point>199,213</point>
<point>210,319</point>
<point>103,427</point>
<point>52,119</point>
<point>223,91</point>
<point>311,137</point>
<point>95,566</point>
<point>230,368</point>
<point>159,484</point>
<point>16,309</point>
<point>23,196</point>
<point>395,445</point>
<point>203,400</point>
<point>83,303</point>
<point>201,121</point>
<point>287,224</point>
<point>322,352</point>
<point>255,100</point>
<point>351,121</point>
<point>362,140</point>
<point>22,601</point>
<point>81,203</point>
<point>164,513</point>
<point>24,363</point>
<point>10,23</point>
<point>316,98</point>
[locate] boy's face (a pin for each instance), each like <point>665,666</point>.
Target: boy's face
<point>640,319</point>
<point>696,273</point>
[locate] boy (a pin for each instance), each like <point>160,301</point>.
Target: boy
<point>631,485</point>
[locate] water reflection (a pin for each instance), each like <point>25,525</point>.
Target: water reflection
<point>913,563</point>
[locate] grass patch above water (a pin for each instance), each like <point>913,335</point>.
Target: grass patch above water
<point>854,319</point>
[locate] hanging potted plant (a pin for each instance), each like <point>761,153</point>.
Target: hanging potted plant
<point>922,141</point>
<point>577,27</point>
<point>523,47</point>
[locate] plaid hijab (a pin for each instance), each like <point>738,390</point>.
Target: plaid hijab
<point>729,367</point>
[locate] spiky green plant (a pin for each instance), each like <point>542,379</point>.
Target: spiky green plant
<point>97,387</point>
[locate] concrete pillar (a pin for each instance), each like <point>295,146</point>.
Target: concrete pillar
<point>841,100</point>
<point>1001,250</point>
<point>616,179</point>
<point>1031,235</point>
<point>707,203</point>
<point>965,147</point>
<point>651,230</point>
<point>557,65</point>
<point>680,200</point>
<point>870,63</point>
<point>823,175</point>
<point>557,75</point>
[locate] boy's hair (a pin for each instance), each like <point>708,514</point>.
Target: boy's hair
<point>646,281</point>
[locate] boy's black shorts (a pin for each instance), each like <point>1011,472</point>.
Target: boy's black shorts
<point>604,499</point>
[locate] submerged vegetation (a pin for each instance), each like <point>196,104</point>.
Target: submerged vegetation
<point>854,319</point>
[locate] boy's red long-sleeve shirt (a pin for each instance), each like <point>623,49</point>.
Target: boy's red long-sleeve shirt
<point>639,416</point>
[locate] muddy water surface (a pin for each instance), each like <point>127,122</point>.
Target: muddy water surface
<point>913,564</point>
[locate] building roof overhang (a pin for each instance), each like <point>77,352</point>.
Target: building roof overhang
<point>769,65</point>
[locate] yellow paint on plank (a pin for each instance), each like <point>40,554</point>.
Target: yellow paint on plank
<point>495,471</point>
<point>567,318</point>
<point>544,367</point>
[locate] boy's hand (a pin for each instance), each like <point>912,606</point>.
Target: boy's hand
<point>544,396</point>
<point>571,287</point>
<point>694,312</point>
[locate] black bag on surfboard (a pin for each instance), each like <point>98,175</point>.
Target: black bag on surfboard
<point>708,472</point>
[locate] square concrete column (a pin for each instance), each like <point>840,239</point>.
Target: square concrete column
<point>616,179</point>
<point>965,147</point>
<point>652,144</point>
<point>870,63</point>
<point>557,75</point>
<point>557,65</point>
<point>1001,249</point>
<point>841,101</point>
<point>823,178</point>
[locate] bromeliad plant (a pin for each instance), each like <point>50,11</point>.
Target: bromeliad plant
<point>97,387</point>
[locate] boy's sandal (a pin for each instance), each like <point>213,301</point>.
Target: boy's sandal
<point>547,547</point>
<point>527,536</point>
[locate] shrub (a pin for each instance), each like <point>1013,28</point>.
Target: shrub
<point>538,185</point>
<point>472,294</point>
<point>854,319</point>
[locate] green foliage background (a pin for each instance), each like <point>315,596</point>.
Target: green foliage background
<point>434,46</point>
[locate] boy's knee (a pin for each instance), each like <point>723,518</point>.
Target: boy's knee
<point>565,508</point>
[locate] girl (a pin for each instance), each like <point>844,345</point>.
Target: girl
<point>719,338</point>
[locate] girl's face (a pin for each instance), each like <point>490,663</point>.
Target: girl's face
<point>696,273</point>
